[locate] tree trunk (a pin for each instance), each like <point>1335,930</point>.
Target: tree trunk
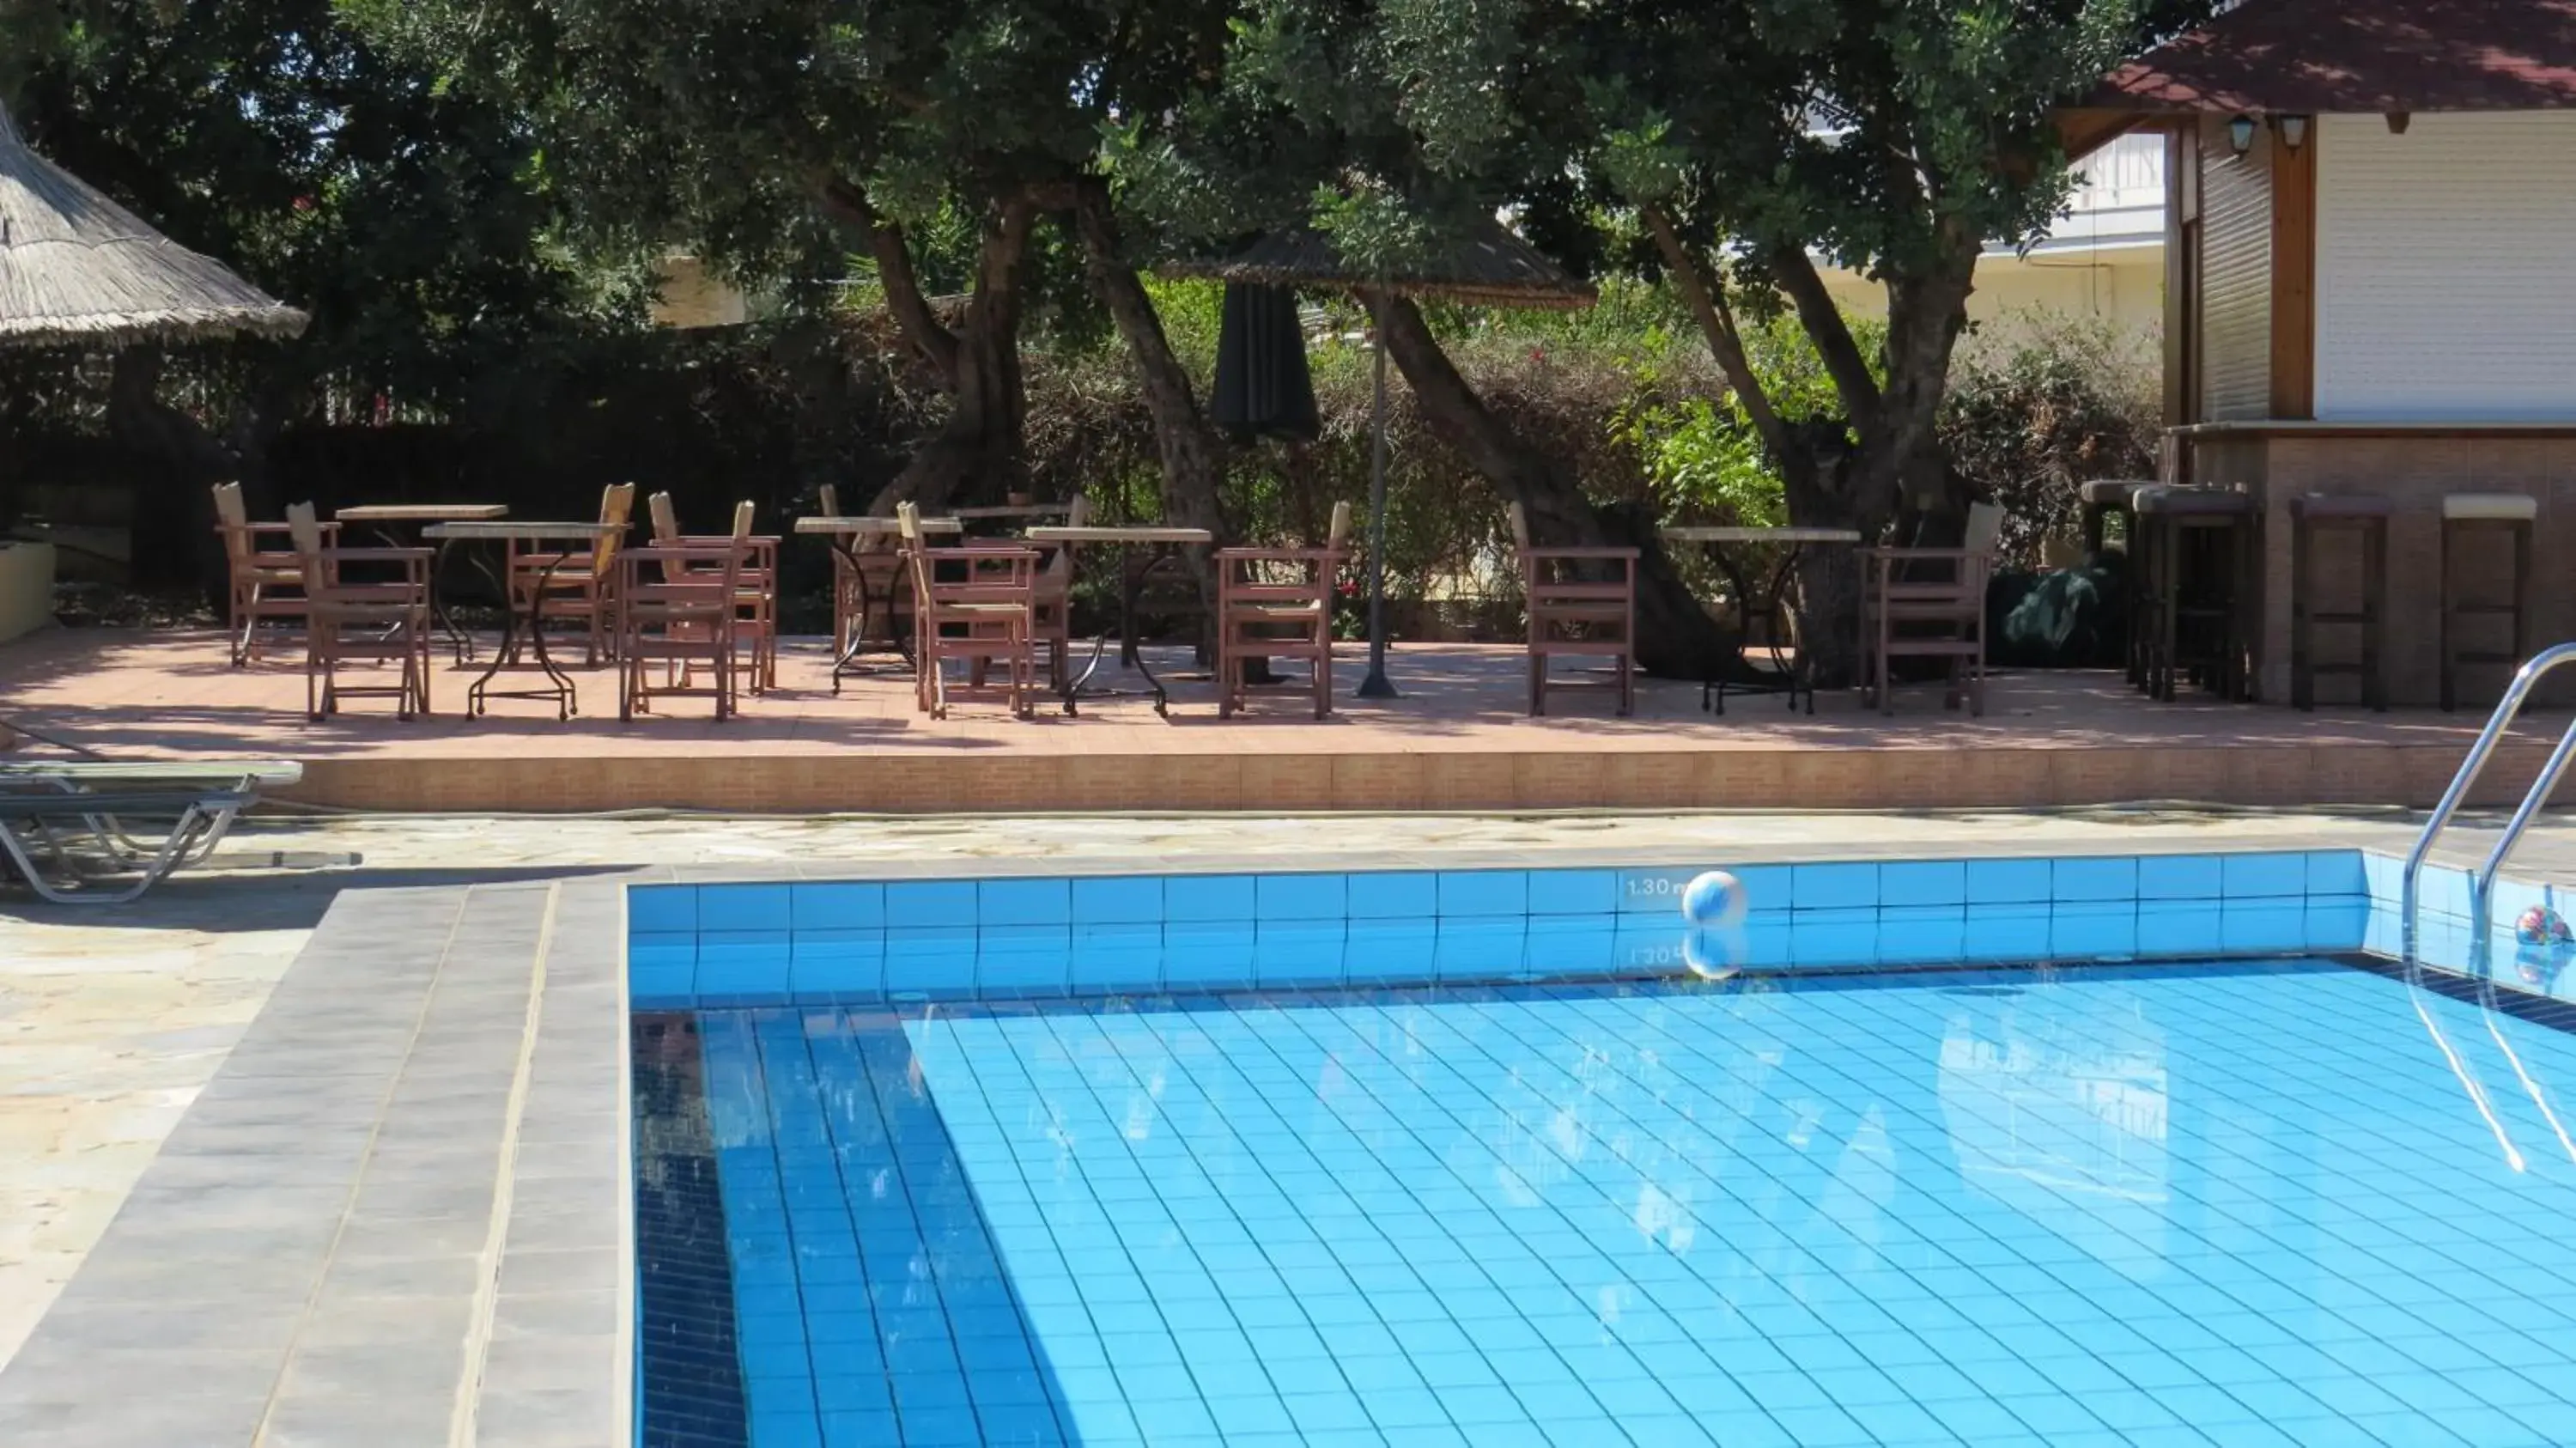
<point>1675,635</point>
<point>978,450</point>
<point>1192,452</point>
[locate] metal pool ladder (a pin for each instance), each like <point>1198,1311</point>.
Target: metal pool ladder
<point>2533,670</point>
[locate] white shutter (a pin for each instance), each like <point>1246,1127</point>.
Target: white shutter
<point>2446,268</point>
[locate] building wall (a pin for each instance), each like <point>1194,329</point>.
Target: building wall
<point>2236,285</point>
<point>2123,288</point>
<point>688,295</point>
<point>2442,268</point>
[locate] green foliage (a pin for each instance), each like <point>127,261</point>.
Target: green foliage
<point>2057,403</point>
<point>418,228</point>
<point>1705,458</point>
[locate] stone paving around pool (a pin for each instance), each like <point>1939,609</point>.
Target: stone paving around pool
<point>113,1024</point>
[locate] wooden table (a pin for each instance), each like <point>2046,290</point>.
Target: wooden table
<point>1794,677</point>
<point>845,533</point>
<point>1161,546</point>
<point>389,519</point>
<point>570,538</point>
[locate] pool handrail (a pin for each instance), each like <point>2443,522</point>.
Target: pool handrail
<point>2525,679</point>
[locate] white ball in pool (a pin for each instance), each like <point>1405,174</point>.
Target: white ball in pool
<point>1713,899</point>
<point>1713,954</point>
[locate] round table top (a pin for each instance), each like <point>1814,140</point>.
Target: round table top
<point>523,529</point>
<point>1065,534</point>
<point>1016,510</point>
<point>1761,535</point>
<point>423,513</point>
<point>870,525</point>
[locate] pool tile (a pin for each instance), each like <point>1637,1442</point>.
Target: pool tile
<point>1118,900</point>
<point>2090,931</point>
<point>662,909</point>
<point>2008,882</point>
<point>2263,926</point>
<point>836,906</point>
<point>1923,935</point>
<point>2337,923</point>
<point>1833,887</point>
<point>1302,897</point>
<point>2006,933</point>
<point>1394,895</point>
<point>2336,872</point>
<point>1909,884</point>
<point>742,962</point>
<point>742,907</point>
<point>1843,937</point>
<point>1209,899</point>
<point>1573,892</point>
<point>2181,877</point>
<point>930,904</point>
<point>1023,902</point>
<point>2093,880</point>
<point>2264,876</point>
<point>1468,893</point>
<point>2180,928</point>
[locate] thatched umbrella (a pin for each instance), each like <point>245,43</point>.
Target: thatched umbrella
<point>1489,268</point>
<point>78,270</point>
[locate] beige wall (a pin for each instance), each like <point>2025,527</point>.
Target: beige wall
<point>2125,287</point>
<point>691,297</point>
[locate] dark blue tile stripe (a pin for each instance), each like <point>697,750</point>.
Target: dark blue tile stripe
<point>686,1350</point>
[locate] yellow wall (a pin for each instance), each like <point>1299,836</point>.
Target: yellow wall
<point>2125,287</point>
<point>690,297</point>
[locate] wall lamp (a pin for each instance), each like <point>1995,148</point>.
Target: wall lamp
<point>2293,129</point>
<point>2240,134</point>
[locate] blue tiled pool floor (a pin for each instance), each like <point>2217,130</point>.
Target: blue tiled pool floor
<point>2230,1205</point>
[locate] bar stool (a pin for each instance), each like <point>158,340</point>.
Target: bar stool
<point>2198,543</point>
<point>2467,515</point>
<point>2367,518</point>
<point>2105,498</point>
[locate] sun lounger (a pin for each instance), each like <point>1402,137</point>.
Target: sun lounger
<point>65,824</point>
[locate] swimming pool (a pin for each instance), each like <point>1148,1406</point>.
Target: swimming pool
<point>2291,1200</point>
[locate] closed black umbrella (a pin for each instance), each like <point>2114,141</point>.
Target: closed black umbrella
<point>1262,385</point>
<point>1491,267</point>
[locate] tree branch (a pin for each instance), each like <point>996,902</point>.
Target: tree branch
<point>1706,298</point>
<point>845,202</point>
<point>1795,271</point>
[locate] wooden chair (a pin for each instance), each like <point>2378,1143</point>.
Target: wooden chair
<point>1581,602</point>
<point>383,621</point>
<point>976,602</point>
<point>263,583</point>
<point>1930,603</point>
<point>582,584</point>
<point>757,603</point>
<point>678,605</point>
<point>1277,603</point>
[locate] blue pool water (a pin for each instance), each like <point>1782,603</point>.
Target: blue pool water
<point>2238,1205</point>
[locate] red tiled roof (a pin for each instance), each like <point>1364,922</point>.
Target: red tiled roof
<point>2308,56</point>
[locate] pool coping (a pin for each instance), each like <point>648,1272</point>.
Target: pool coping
<point>318,1271</point>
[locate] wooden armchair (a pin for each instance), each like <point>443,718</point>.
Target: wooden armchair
<point>580,586</point>
<point>678,605</point>
<point>1582,602</point>
<point>1278,603</point>
<point>1929,603</point>
<point>384,620</point>
<point>263,583</point>
<point>976,602</point>
<point>756,611</point>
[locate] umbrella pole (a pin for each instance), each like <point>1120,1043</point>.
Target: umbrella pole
<point>1376,685</point>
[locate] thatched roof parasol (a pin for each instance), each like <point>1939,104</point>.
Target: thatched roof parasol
<point>1492,268</point>
<point>76,269</point>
